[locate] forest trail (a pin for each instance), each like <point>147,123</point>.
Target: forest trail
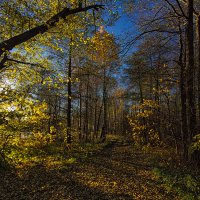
<point>118,172</point>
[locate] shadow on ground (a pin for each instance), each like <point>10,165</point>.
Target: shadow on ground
<point>115,173</point>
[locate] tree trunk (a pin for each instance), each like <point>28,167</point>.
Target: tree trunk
<point>190,76</point>
<point>105,127</point>
<point>198,69</point>
<point>69,138</point>
<point>145,134</point>
<point>157,98</point>
<point>95,115</point>
<point>184,130</point>
<point>86,111</point>
<point>99,118</point>
<point>80,113</point>
<point>95,121</point>
<point>190,72</point>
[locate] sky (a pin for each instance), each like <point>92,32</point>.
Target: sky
<point>124,29</point>
<point>120,30</point>
<point>122,25</point>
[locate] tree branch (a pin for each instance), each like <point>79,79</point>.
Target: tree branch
<point>21,62</point>
<point>21,38</point>
<point>182,11</point>
<point>194,11</point>
<point>174,9</point>
<point>138,37</point>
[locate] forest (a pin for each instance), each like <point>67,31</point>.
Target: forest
<point>99,99</point>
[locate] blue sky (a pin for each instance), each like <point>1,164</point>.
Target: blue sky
<point>124,29</point>
<point>122,25</point>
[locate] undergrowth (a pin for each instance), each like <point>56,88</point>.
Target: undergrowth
<point>186,185</point>
<point>28,152</point>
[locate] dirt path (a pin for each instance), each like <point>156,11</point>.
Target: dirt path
<point>117,172</point>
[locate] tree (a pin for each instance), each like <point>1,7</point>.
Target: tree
<point>104,51</point>
<point>9,44</point>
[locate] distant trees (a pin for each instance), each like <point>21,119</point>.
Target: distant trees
<point>151,79</point>
<point>173,72</point>
<point>104,51</point>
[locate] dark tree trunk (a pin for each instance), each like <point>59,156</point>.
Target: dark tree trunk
<point>184,131</point>
<point>196,153</point>
<point>69,137</point>
<point>99,118</point>
<point>157,98</point>
<point>105,126</point>
<point>95,115</point>
<point>198,69</point>
<point>80,112</point>
<point>115,117</point>
<point>190,72</point>
<point>95,121</point>
<point>87,111</point>
<point>190,77</point>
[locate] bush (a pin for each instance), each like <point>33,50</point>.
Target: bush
<point>185,185</point>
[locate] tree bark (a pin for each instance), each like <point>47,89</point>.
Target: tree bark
<point>80,112</point>
<point>198,69</point>
<point>190,72</point>
<point>184,131</point>
<point>69,137</point>
<point>190,79</point>
<point>105,126</point>
<point>86,128</point>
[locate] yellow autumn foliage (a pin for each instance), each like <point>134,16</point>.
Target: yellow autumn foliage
<point>143,113</point>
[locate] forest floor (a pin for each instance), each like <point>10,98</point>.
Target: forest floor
<point>117,171</point>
